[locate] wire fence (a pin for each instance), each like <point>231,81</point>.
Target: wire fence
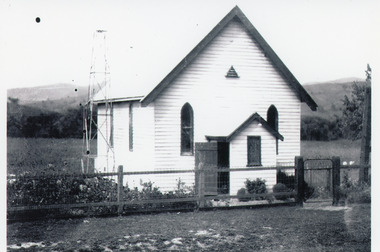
<point>32,196</point>
<point>44,195</point>
<point>319,175</point>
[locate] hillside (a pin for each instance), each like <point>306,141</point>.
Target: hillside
<point>329,98</point>
<point>60,97</point>
<point>57,98</point>
<point>55,111</point>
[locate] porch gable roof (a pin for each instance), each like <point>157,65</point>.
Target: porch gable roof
<point>253,117</point>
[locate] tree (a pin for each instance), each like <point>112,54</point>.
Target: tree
<point>353,108</point>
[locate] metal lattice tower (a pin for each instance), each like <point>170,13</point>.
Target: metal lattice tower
<point>99,85</point>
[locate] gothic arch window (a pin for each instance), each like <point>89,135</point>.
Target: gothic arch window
<point>187,130</point>
<point>272,119</point>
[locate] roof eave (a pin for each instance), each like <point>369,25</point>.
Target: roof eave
<point>239,129</point>
<point>122,99</point>
<point>217,138</point>
<point>261,120</point>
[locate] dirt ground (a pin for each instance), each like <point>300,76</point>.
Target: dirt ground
<point>315,227</point>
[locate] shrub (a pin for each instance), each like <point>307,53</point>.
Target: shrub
<point>353,192</point>
<point>149,191</point>
<point>59,190</point>
<point>183,190</point>
<point>242,195</point>
<point>256,187</point>
<point>308,191</point>
<point>321,192</point>
<point>288,180</point>
<point>280,188</point>
<point>46,190</point>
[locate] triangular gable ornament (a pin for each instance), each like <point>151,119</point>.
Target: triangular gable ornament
<point>232,73</point>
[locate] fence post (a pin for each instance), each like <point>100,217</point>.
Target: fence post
<point>336,180</point>
<point>365,148</point>
<point>120,189</point>
<point>300,173</point>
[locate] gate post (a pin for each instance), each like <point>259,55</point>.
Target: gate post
<point>120,189</point>
<point>300,182</point>
<point>336,180</point>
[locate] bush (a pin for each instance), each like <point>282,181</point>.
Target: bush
<point>308,191</point>
<point>242,195</point>
<point>256,187</point>
<point>353,192</point>
<point>288,180</point>
<point>320,129</point>
<point>50,190</point>
<point>280,188</point>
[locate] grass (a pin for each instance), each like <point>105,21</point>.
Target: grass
<point>29,154</point>
<point>267,229</point>
<point>347,150</point>
<point>36,154</point>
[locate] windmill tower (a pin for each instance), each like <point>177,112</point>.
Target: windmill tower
<point>94,128</point>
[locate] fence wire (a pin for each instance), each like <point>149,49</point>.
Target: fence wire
<point>149,191</point>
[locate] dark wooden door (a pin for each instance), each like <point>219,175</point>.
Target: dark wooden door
<point>223,162</point>
<point>206,168</point>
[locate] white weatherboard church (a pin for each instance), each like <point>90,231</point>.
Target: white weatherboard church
<point>231,91</point>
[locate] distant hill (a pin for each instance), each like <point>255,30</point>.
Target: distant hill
<point>337,81</point>
<point>60,97</point>
<point>328,96</point>
<point>57,97</point>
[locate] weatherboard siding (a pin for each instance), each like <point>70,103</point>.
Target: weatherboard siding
<point>141,158</point>
<point>104,160</point>
<point>239,151</point>
<point>239,157</point>
<point>221,104</point>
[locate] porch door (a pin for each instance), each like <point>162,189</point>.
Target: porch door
<point>223,162</point>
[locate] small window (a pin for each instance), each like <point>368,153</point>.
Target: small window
<point>187,130</point>
<point>254,150</point>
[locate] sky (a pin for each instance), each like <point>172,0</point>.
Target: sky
<point>317,40</point>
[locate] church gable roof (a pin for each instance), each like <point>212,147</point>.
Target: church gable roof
<point>234,14</point>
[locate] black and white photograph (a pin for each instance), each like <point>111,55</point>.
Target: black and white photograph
<point>189,125</point>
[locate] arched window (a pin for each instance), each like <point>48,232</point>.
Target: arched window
<point>187,130</point>
<point>272,119</point>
